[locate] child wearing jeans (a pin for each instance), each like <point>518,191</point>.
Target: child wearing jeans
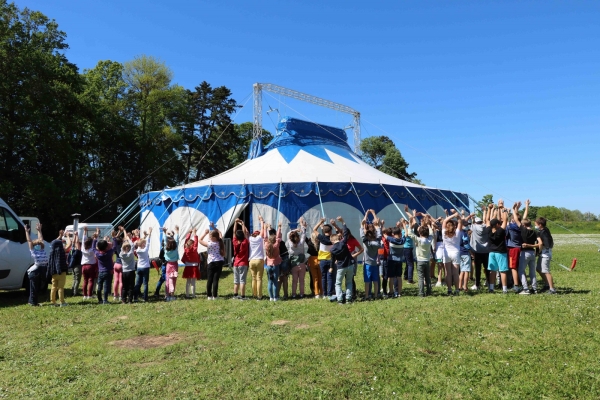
<point>465,259</point>
<point>191,260</point>
<point>241,250</point>
<point>273,261</point>
<point>216,258</point>
<point>143,266</point>
<point>370,235</point>
<point>40,263</point>
<point>128,263</point>
<point>171,243</point>
<point>423,247</point>
<point>104,250</point>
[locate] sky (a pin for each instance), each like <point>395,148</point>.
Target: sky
<point>479,96</point>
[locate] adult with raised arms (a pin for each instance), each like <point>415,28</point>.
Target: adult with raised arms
<point>40,263</point>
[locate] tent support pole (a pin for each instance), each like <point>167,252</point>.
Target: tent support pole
<point>448,200</point>
<point>320,200</point>
<point>125,212</point>
<point>358,197</point>
<point>398,208</point>
<point>414,197</point>
<point>278,203</point>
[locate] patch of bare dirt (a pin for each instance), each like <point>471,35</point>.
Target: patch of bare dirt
<point>280,322</point>
<point>120,318</point>
<point>147,342</point>
<point>302,326</point>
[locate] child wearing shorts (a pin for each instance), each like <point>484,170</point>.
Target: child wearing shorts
<point>498,261</point>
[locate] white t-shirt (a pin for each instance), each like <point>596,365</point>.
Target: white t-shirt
<point>143,257</point>
<point>257,249</point>
<point>214,252</point>
<point>88,257</point>
<point>451,244</point>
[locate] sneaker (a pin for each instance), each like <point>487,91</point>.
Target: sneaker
<point>490,290</point>
<point>173,298</point>
<point>275,299</point>
<point>457,292</point>
<point>411,282</point>
<point>516,289</point>
<point>396,295</point>
<point>340,303</point>
<point>526,291</point>
<point>439,284</point>
<point>105,302</point>
<point>552,291</point>
<point>333,298</point>
<point>64,304</point>
<point>271,299</point>
<point>474,287</point>
<point>449,292</point>
<point>504,291</point>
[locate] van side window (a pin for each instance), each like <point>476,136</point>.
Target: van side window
<point>9,226</point>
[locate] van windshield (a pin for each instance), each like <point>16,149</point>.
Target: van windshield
<point>8,224</point>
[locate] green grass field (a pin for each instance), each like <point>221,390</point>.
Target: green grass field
<point>473,346</point>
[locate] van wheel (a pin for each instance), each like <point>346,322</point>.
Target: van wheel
<point>26,284</point>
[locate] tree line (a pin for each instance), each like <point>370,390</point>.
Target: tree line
<point>83,141</point>
<point>556,214</point>
<point>74,141</point>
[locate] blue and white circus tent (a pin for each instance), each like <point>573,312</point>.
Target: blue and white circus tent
<point>308,170</point>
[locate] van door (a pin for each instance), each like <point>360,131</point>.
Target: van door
<point>14,251</point>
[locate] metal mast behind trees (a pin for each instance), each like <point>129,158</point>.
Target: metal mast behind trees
<point>269,87</point>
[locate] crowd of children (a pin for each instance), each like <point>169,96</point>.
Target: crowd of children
<point>502,242</point>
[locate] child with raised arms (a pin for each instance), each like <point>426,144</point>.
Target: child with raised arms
<point>241,252</point>
<point>370,234</point>
<point>216,259</point>
<point>191,260</point>
<point>171,243</point>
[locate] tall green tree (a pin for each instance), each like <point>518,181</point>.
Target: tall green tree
<point>154,106</point>
<point>208,132</point>
<point>380,152</point>
<point>39,115</point>
<point>108,146</point>
<point>244,133</point>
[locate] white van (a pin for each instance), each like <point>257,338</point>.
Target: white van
<point>15,257</point>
